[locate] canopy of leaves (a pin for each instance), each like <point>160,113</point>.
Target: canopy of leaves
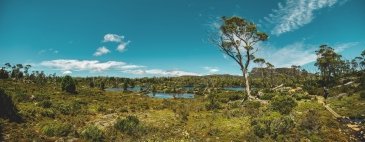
<point>68,84</point>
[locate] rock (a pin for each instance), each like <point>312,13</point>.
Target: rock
<point>354,127</point>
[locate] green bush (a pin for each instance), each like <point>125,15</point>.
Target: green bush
<point>213,103</point>
<point>7,108</point>
<point>69,108</point>
<point>92,133</point>
<point>68,84</point>
<point>273,125</point>
<point>129,125</point>
<point>268,96</point>
<point>182,111</point>
<point>48,113</point>
<point>311,121</point>
<point>283,104</point>
<point>45,104</point>
<point>362,94</point>
<point>56,129</point>
<point>20,97</point>
<point>299,96</point>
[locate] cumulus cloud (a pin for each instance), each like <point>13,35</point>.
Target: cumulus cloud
<point>160,72</point>
<point>68,66</point>
<point>295,14</point>
<point>211,69</point>
<point>121,47</point>
<point>113,38</point>
<point>82,65</point>
<point>122,44</point>
<point>101,51</point>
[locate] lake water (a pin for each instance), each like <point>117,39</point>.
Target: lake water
<point>171,95</point>
<point>134,89</point>
<point>234,88</point>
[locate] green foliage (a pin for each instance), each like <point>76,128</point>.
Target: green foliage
<point>311,121</point>
<point>129,125</point>
<point>182,112</point>
<point>268,96</point>
<point>283,104</point>
<point>68,84</point>
<point>55,128</point>
<point>45,104</point>
<point>71,108</point>
<point>329,63</point>
<point>213,103</point>
<point>273,125</point>
<point>48,113</point>
<point>300,96</point>
<point>7,108</point>
<point>93,134</point>
<point>362,94</point>
<point>20,97</point>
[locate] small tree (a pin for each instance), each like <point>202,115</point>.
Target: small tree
<point>237,39</point>
<point>328,62</point>
<point>68,84</point>
<point>283,104</point>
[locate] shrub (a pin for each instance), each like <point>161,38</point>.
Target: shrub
<point>311,121</point>
<point>45,104</point>
<point>69,108</point>
<point>68,84</point>
<point>7,108</point>
<point>300,96</point>
<point>20,97</point>
<point>48,113</point>
<point>283,104</point>
<point>92,133</point>
<point>267,96</point>
<point>129,125</point>
<point>213,103</point>
<point>273,125</point>
<point>362,94</point>
<point>56,129</point>
<point>183,112</point>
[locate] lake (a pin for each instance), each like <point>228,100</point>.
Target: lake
<point>234,88</point>
<point>171,95</point>
<point>134,89</point>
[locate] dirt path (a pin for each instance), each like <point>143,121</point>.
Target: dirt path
<point>355,131</point>
<point>321,101</point>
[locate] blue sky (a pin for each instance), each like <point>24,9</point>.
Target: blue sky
<point>169,37</point>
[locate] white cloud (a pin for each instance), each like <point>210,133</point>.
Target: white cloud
<point>113,38</point>
<point>211,69</point>
<point>101,51</point>
<point>121,47</point>
<point>341,47</point>
<point>160,72</point>
<point>297,53</point>
<point>68,66</point>
<point>295,14</point>
<point>82,65</point>
<point>67,72</point>
<point>122,44</point>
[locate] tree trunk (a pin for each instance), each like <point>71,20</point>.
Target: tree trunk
<point>247,87</point>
